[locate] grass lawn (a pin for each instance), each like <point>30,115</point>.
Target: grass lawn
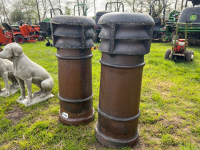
<point>170,107</point>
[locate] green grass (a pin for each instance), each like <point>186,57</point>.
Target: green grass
<point>170,107</point>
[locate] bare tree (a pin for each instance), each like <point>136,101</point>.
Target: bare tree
<point>182,4</point>
<point>5,11</point>
<point>38,10</point>
<point>51,6</point>
<point>44,4</point>
<point>59,4</point>
<point>94,8</point>
<point>78,8</point>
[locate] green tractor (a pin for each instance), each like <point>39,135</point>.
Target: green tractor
<point>190,15</point>
<point>159,28</point>
<point>170,26</point>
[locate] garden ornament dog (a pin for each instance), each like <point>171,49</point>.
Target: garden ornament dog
<point>6,72</point>
<point>28,72</point>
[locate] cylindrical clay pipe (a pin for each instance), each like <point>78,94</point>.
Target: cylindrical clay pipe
<point>125,39</point>
<point>72,36</point>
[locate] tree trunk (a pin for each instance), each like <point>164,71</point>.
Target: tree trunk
<point>175,5</point>
<point>38,10</point>
<point>78,8</point>
<point>182,4</point>
<point>133,5</point>
<point>5,12</point>
<point>52,7</point>
<point>94,8</point>
<point>59,4</point>
<point>45,8</point>
<point>83,8</point>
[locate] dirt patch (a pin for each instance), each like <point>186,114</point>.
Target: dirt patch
<point>175,121</point>
<point>15,114</point>
<point>98,146</point>
<point>164,85</point>
<point>140,145</point>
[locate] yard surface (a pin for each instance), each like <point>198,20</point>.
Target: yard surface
<point>170,107</point>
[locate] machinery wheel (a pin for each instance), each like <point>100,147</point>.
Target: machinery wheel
<point>163,38</point>
<point>188,56</point>
<point>19,39</point>
<point>98,39</point>
<point>95,37</point>
<point>167,53</point>
<point>41,38</point>
<point>49,44</point>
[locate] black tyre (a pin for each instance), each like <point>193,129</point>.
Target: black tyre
<point>41,38</point>
<point>95,37</point>
<point>163,39</point>
<point>19,39</point>
<point>167,53</point>
<point>48,44</point>
<point>98,39</point>
<point>188,56</point>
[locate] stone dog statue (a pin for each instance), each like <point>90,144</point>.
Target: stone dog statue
<point>6,72</point>
<point>28,72</point>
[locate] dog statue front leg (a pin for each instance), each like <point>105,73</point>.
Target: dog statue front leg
<point>22,88</point>
<point>5,79</point>
<point>28,83</point>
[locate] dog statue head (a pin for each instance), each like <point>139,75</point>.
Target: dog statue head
<point>11,50</point>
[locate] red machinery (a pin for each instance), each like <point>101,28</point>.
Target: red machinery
<point>35,29</point>
<point>179,50</point>
<point>5,38</point>
<point>180,45</point>
<point>26,33</point>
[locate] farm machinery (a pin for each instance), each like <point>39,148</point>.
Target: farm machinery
<point>179,50</point>
<point>25,32</point>
<point>97,28</point>
<point>5,38</point>
<point>35,29</point>
<point>45,24</point>
<point>170,26</point>
<point>159,28</point>
<point>187,30</point>
<point>188,15</point>
<point>20,33</point>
